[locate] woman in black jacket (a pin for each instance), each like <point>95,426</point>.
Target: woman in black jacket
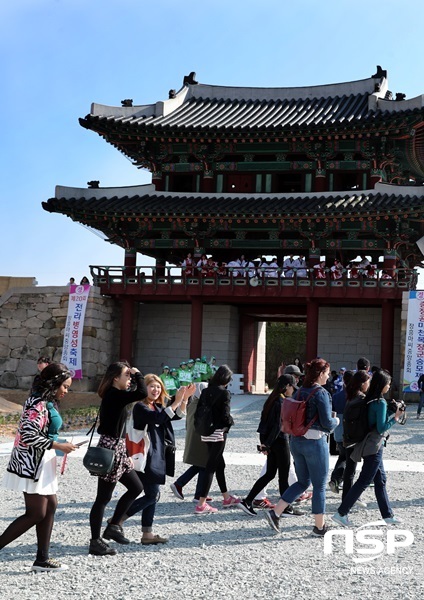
<point>154,413</point>
<point>274,443</point>
<point>114,392</point>
<point>217,394</point>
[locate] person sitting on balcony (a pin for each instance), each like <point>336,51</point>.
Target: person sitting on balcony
<point>211,267</point>
<point>385,274</point>
<point>263,268</point>
<point>187,265</point>
<point>273,269</point>
<point>337,270</point>
<point>353,270</point>
<point>233,268</point>
<point>372,272</point>
<point>320,271</point>
<point>300,266</point>
<point>222,269</point>
<point>202,265</point>
<point>363,265</point>
<point>251,269</point>
<point>241,264</point>
<point>288,266</point>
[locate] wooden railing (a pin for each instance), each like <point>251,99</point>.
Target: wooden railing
<point>143,277</point>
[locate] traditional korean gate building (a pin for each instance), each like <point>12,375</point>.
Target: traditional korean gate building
<point>332,170</point>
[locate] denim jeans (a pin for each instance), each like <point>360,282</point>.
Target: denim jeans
<point>189,475</point>
<point>311,462</point>
<point>146,503</point>
<point>372,470</point>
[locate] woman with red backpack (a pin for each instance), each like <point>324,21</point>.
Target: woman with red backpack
<point>310,450</point>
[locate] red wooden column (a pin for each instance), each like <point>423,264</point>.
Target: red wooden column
<point>387,332</point>
<point>196,327</point>
<point>312,316</point>
<point>130,261</point>
<point>127,322</point>
<point>157,180</point>
<point>320,184</point>
<point>247,352</point>
<point>208,182</point>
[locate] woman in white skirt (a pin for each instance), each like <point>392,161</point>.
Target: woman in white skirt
<point>32,465</point>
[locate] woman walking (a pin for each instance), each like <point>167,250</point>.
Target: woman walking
<point>217,395</point>
<point>310,451</point>
<point>153,413</point>
<point>274,444</point>
<point>380,420</point>
<point>32,465</point>
<point>115,395</point>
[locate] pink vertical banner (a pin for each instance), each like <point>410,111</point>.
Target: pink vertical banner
<point>72,338</point>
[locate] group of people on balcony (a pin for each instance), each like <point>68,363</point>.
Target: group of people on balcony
<point>291,267</point>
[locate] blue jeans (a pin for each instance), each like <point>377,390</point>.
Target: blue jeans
<point>311,462</point>
<point>372,470</point>
<point>146,503</point>
<point>188,476</point>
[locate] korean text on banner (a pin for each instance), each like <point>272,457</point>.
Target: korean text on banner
<point>72,339</point>
<point>414,343</point>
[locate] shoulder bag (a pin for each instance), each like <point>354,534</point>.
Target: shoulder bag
<point>98,460</point>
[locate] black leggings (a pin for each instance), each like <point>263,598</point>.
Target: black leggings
<point>104,493</point>
<point>278,459</point>
<point>215,466</point>
<point>39,511</point>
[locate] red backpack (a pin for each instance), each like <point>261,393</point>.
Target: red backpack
<point>293,415</point>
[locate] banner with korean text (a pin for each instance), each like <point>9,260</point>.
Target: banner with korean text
<point>72,339</point>
<point>414,343</point>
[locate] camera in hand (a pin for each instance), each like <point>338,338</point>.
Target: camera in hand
<point>393,406</point>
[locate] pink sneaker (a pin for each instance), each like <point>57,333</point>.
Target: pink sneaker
<point>303,498</point>
<point>230,501</point>
<point>206,509</point>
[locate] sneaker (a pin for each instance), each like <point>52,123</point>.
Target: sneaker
<point>100,548</point>
<point>393,520</point>
<point>361,503</point>
<point>177,490</point>
<point>48,566</point>
<point>206,509</point>
<point>265,503</point>
<point>292,511</point>
<point>116,533</point>
<point>320,532</point>
<point>341,520</point>
<point>208,499</point>
<point>247,508</point>
<point>334,487</point>
<point>273,520</point>
<point>230,501</point>
<point>303,498</point>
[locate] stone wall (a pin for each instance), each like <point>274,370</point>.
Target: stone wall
<point>32,324</point>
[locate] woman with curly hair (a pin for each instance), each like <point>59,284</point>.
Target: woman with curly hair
<point>32,465</point>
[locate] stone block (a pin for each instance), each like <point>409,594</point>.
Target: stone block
<point>4,350</point>
<point>54,341</point>
<point>26,367</point>
<point>4,332</point>
<point>8,364</point>
<point>36,341</point>
<point>8,380</point>
<point>33,323</point>
<point>90,332</point>
<point>17,342</point>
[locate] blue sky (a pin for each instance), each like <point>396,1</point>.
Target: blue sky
<point>59,56</point>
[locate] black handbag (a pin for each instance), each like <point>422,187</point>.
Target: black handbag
<point>98,460</point>
<point>169,459</point>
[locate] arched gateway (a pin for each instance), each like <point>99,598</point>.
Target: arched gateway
<point>329,174</point>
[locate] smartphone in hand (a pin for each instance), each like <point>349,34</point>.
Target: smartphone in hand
<point>81,443</point>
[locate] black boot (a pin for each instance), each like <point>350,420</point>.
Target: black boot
<point>116,533</point>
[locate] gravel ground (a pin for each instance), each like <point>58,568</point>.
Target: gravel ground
<point>227,555</point>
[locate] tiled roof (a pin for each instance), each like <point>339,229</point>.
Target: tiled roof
<point>83,205</point>
<point>227,109</point>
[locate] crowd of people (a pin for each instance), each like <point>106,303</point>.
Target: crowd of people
<point>149,404</point>
<point>290,267</point>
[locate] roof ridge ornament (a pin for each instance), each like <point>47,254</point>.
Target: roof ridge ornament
<point>93,185</point>
<point>380,73</point>
<point>127,102</point>
<point>190,79</point>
